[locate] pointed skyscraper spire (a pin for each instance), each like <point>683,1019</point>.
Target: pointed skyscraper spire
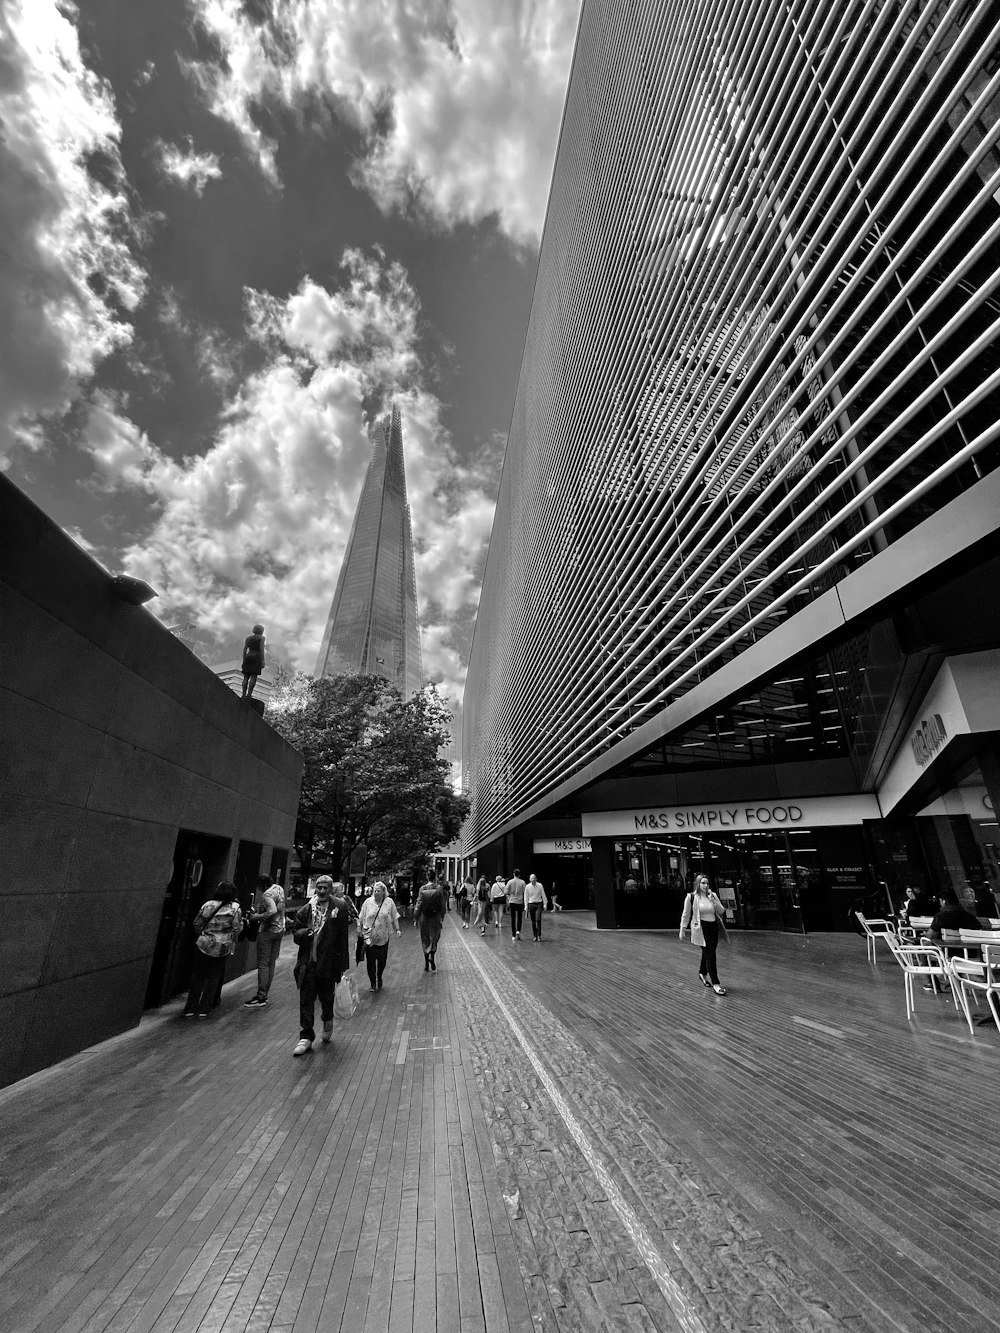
<point>373,628</point>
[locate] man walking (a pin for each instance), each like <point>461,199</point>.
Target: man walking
<point>378,919</point>
<point>321,933</point>
<point>428,914</point>
<point>536,901</point>
<point>515,903</point>
<point>269,913</point>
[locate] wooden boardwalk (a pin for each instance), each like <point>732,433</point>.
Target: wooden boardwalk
<point>561,1137</point>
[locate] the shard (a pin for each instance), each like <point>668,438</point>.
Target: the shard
<point>373,628</point>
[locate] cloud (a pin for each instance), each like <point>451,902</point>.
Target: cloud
<point>68,278</point>
<point>121,452</point>
<point>257,526</point>
<point>189,169</point>
<point>457,103</point>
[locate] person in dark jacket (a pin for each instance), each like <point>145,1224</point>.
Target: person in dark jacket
<point>321,931</point>
<point>428,913</point>
<point>952,916</point>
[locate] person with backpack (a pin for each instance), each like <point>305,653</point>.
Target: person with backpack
<point>482,903</point>
<point>217,928</point>
<point>428,913</point>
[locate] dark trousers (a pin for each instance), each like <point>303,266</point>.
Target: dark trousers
<point>516,911</point>
<point>311,989</point>
<point>206,983</point>
<point>710,929</point>
<point>375,956</point>
<point>466,909</point>
<point>535,912</point>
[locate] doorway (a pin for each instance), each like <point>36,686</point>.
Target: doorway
<point>199,864</point>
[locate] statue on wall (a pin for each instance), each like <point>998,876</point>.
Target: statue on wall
<point>253,659</point>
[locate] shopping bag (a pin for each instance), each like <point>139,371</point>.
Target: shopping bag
<point>345,997</point>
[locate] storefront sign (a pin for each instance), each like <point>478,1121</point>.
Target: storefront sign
<point>733,816</point>
<point>928,738</point>
<point>560,846</point>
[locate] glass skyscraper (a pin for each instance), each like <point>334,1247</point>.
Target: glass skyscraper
<point>373,627</point>
<point>746,540</point>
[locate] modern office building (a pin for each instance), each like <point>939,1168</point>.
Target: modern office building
<point>373,628</point>
<point>741,610</point>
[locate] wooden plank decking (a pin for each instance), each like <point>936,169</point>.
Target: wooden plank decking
<point>567,1136</point>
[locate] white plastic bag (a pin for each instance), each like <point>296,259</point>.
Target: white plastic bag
<point>345,997</point>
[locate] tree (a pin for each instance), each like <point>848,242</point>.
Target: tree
<point>373,767</point>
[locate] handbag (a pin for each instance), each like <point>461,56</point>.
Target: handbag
<point>345,997</point>
<point>250,931</point>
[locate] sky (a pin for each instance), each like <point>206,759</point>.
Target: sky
<point>232,232</point>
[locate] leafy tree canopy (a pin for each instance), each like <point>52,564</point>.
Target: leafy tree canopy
<point>373,773</point>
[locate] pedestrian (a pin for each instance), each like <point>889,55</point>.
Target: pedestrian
<point>269,913</point>
<point>379,918</point>
<point>537,902</point>
<point>498,898</point>
<point>482,903</point>
<point>705,915</point>
<point>217,928</point>
<point>465,895</point>
<point>429,912</point>
<point>321,931</point>
<point>515,903</point>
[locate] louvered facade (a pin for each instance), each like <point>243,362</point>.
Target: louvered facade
<point>758,409</point>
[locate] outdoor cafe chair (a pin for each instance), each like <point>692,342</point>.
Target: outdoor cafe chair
<point>917,960</point>
<point>981,978</point>
<point>875,928</point>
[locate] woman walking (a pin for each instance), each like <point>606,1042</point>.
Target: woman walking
<point>379,918</point>
<point>535,901</point>
<point>498,899</point>
<point>428,913</point>
<point>217,927</point>
<point>482,903</point>
<point>705,915</point>
<point>465,894</point>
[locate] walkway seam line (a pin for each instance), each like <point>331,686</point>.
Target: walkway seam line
<point>651,1256</point>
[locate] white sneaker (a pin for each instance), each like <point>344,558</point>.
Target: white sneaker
<point>302,1046</point>
<point>328,1027</point>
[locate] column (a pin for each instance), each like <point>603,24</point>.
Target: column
<point>602,850</point>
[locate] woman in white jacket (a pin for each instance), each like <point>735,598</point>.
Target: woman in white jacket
<point>705,916</point>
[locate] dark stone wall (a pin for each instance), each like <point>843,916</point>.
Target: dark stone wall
<point>113,737</point>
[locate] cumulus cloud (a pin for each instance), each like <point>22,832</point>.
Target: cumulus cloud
<point>188,168</point>
<point>68,277</point>
<point>255,528</point>
<point>457,102</point>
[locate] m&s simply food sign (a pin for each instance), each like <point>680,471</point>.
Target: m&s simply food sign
<point>731,816</point>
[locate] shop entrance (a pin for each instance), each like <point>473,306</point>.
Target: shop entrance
<point>795,880</point>
<point>570,876</point>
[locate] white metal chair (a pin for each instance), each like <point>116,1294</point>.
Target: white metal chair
<point>916,960</point>
<point>979,977</point>
<point>875,928</point>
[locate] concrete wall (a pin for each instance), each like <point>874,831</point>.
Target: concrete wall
<point>113,737</point>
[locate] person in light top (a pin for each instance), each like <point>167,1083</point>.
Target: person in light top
<point>379,919</point>
<point>704,916</point>
<point>536,902</point>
